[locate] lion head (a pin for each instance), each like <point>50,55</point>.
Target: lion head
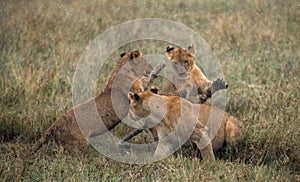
<point>183,60</point>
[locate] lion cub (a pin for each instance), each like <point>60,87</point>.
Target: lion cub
<point>175,120</point>
<point>189,80</point>
<point>66,129</point>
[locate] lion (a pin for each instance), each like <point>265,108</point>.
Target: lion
<point>189,81</point>
<point>166,114</point>
<point>65,129</point>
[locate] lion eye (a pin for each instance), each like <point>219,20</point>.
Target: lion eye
<point>185,63</point>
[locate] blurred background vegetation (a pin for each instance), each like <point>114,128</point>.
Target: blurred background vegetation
<point>256,42</point>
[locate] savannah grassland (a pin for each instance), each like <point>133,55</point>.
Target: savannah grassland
<point>257,43</point>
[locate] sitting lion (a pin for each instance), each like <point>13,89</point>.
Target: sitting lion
<point>167,114</point>
<point>190,82</point>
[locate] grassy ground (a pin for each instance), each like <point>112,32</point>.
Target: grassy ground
<point>257,43</point>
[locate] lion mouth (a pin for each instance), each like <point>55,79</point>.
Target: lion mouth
<point>134,117</point>
<point>182,74</point>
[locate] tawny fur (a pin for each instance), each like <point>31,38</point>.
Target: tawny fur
<point>189,81</point>
<point>149,105</point>
<point>66,130</point>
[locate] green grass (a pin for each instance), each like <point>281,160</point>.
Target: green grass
<point>256,42</point>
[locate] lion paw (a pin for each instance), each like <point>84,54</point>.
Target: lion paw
<point>218,84</point>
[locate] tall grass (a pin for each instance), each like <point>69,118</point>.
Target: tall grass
<point>257,43</point>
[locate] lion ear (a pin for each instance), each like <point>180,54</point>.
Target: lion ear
<point>154,89</point>
<point>133,96</point>
<point>130,95</point>
<point>135,54</point>
<point>169,51</point>
<point>192,49</point>
<point>123,54</point>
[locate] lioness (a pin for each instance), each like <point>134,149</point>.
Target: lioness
<point>189,80</point>
<point>66,130</point>
<point>166,114</point>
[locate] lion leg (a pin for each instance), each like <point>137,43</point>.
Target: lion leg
<point>154,134</point>
<point>207,152</point>
<point>163,148</point>
<point>207,88</point>
<point>193,96</point>
<point>165,144</point>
